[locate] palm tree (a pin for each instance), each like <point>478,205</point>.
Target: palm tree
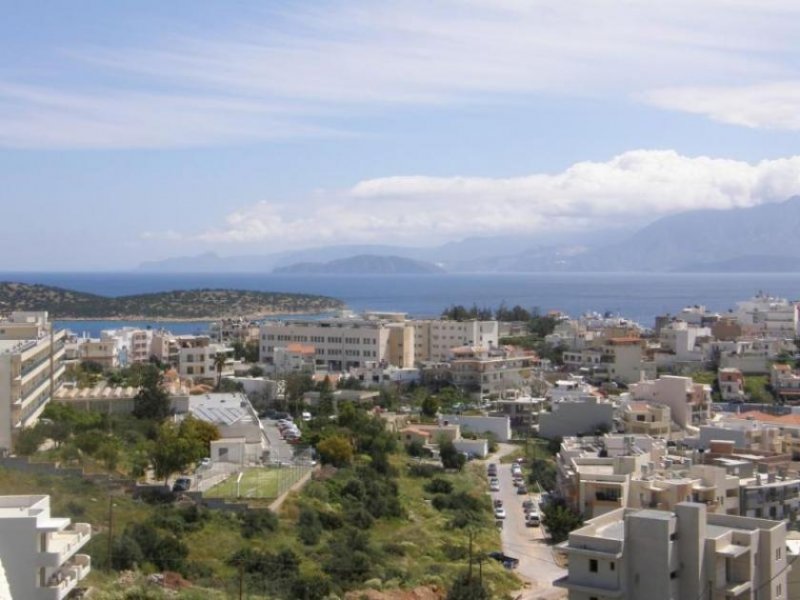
<point>219,363</point>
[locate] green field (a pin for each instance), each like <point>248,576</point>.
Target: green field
<point>258,482</point>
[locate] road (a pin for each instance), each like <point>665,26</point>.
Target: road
<point>536,563</point>
<point>279,449</point>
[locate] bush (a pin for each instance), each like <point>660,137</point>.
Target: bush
<point>423,470</point>
<point>439,485</point>
<point>451,458</point>
<point>330,520</point>
<point>309,527</point>
<point>254,522</point>
<point>415,448</point>
<point>156,494</point>
<point>560,519</point>
<point>359,517</point>
<point>467,588</point>
<point>335,450</point>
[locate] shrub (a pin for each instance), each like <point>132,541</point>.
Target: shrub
<point>309,527</point>
<point>439,485</point>
<point>254,522</point>
<point>423,470</point>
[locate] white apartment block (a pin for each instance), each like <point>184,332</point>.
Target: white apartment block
<point>580,415</point>
<point>683,554</point>
<point>31,370</point>
<point>770,496</point>
<point>689,402</point>
<point>785,382</point>
<point>683,340</point>
<point>341,344</point>
<point>770,316</point>
<point>434,339</point>
<point>492,372</point>
<point>197,357</point>
<point>731,385</point>
<point>132,344</point>
<point>103,352</point>
<point>38,552</point>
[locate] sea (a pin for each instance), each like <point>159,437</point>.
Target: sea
<point>637,296</point>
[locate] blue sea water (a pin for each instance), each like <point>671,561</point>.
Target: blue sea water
<point>639,296</point>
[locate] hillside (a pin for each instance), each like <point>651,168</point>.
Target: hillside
<point>179,304</point>
<point>364,264</point>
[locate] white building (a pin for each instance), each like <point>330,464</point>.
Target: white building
<point>434,339</point>
<point>500,427</point>
<point>40,553</point>
<point>684,554</point>
<point>689,402</point>
<point>770,316</point>
<point>31,371</point>
<point>582,415</point>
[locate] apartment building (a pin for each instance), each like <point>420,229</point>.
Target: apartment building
<point>768,315</point>
<point>596,476</point>
<point>40,553</point>
<point>31,370</point>
<point>133,346</point>
<point>103,352</point>
<point>689,402</point>
<point>341,344</point>
<point>731,385</point>
<point>434,339</point>
<point>488,372</point>
<point>646,419</point>
<point>680,554</point>
<point>578,415</point>
<point>234,330</point>
<point>625,360</point>
<point>785,382</point>
<point>770,496</point>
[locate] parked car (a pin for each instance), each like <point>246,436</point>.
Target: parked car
<point>499,513</point>
<point>498,503</point>
<point>182,484</point>
<point>522,489</point>
<point>528,505</point>
<point>494,486</point>
<point>532,519</point>
<point>508,562</point>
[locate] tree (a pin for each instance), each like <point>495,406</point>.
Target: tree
<point>560,519</point>
<point>255,371</point>
<point>451,458</point>
<point>430,406</point>
<point>219,364</point>
<point>152,400</point>
<point>172,453</point>
<point>335,450</point>
<point>200,432</point>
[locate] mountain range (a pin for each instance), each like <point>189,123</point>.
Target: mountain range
<point>760,238</point>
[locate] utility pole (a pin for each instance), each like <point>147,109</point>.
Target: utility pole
<point>469,570</point>
<point>241,578</point>
<point>110,528</point>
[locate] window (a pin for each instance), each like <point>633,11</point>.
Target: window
<point>593,565</point>
<point>612,565</point>
<point>777,553</point>
<point>673,575</point>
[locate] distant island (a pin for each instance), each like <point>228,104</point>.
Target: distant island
<point>363,264</point>
<point>200,304</point>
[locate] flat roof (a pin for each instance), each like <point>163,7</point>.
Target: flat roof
<point>225,409</point>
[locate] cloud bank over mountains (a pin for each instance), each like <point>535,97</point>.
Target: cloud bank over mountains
<point>637,185</point>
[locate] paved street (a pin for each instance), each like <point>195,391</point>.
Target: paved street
<point>536,563</point>
<point>279,449</point>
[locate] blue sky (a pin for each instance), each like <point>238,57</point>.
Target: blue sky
<point>132,131</point>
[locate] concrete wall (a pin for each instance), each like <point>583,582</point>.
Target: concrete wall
<point>499,426</point>
<point>574,417</point>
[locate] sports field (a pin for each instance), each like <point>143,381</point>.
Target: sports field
<point>258,482</point>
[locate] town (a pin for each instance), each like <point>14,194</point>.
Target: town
<point>585,457</point>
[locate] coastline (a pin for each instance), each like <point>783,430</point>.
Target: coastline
<point>249,317</point>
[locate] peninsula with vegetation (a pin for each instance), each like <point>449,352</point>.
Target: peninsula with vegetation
<point>199,304</point>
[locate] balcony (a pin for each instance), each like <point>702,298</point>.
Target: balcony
<point>61,545</point>
<point>64,580</point>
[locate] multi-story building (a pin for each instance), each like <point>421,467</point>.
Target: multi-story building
<point>689,402</point>
<point>625,360</point>
<point>785,382</point>
<point>770,496</point>
<point>682,554</point>
<point>103,352</point>
<point>434,339</point>
<point>341,344</point>
<point>646,419</point>
<point>31,370</point>
<point>771,316</point>
<point>598,475</point>
<point>491,372</point>
<point>40,553</point>
<point>585,414</point>
<point>197,357</point>
<point>731,385</point>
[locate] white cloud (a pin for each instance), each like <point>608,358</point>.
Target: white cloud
<point>769,106</point>
<point>275,75</point>
<point>640,184</point>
